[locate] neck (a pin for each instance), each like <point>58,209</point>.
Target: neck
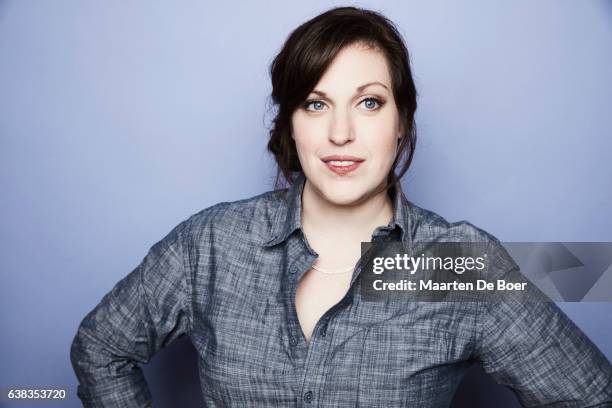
<point>345,221</point>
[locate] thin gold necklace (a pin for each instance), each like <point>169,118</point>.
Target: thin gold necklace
<point>332,271</point>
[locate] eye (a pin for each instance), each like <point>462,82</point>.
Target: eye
<point>372,104</point>
<point>316,104</point>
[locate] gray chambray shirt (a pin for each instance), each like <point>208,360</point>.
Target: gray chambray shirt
<point>227,278</point>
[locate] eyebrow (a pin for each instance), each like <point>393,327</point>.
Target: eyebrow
<point>359,88</point>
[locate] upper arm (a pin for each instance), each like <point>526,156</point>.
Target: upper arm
<point>145,311</point>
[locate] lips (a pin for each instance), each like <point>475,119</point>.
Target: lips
<point>342,169</point>
<point>342,157</point>
<point>342,165</point>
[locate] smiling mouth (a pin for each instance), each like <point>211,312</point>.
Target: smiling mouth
<point>342,167</point>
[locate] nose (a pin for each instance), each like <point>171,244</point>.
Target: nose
<point>341,128</point>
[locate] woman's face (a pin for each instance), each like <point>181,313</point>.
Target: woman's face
<point>350,112</point>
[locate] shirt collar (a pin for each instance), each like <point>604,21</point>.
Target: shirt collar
<point>288,215</point>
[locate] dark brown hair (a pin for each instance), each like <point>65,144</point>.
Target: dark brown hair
<point>305,56</point>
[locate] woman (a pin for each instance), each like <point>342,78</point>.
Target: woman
<point>267,288</point>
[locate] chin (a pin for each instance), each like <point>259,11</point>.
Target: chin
<point>342,193</point>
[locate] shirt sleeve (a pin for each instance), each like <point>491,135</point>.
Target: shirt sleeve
<point>145,311</point>
<point>535,349</point>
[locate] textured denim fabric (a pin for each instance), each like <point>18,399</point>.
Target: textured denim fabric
<point>227,276</point>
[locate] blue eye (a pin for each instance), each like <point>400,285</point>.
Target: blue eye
<point>372,103</point>
<point>317,104</point>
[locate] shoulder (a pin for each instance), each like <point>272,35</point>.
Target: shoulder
<point>432,227</point>
<point>427,225</point>
<point>248,218</point>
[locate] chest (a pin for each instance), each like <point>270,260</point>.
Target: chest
<point>316,293</point>
<point>251,352</point>
<point>249,358</point>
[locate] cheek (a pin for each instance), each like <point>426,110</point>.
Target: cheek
<point>303,144</point>
<point>381,135</point>
<point>306,134</point>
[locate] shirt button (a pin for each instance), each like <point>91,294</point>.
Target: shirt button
<point>293,341</point>
<point>308,397</point>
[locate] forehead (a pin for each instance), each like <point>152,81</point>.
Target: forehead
<point>355,65</point>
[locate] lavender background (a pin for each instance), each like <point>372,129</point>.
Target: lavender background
<point>120,119</point>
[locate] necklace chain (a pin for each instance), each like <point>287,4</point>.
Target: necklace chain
<point>332,271</point>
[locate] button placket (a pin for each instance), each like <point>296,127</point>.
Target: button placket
<point>323,329</point>
<point>301,264</point>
